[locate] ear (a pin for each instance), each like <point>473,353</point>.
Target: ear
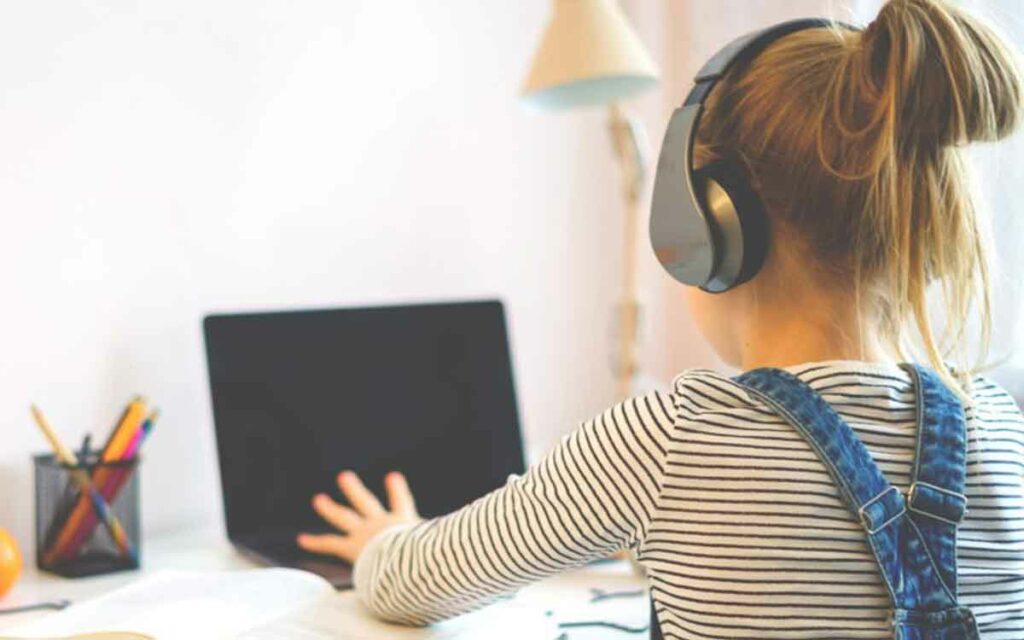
<point>741,209</point>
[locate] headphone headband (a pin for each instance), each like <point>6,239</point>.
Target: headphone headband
<point>709,246</point>
<point>746,48</point>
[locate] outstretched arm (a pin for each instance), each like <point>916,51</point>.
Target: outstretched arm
<point>595,493</point>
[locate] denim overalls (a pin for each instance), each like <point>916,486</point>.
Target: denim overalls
<point>913,538</point>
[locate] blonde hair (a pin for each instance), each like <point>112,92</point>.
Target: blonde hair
<point>852,139</point>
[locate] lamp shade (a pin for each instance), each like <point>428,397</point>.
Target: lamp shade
<point>589,55</point>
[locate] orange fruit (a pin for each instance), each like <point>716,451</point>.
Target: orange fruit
<point>10,562</point>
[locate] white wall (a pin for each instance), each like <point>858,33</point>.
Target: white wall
<point>165,158</point>
<point>161,159</point>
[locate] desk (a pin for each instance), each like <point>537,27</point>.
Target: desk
<point>564,598</point>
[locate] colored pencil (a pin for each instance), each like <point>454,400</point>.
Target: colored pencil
<point>70,539</point>
<point>140,435</point>
<point>67,457</point>
<point>117,424</point>
<point>125,431</point>
<point>113,483</point>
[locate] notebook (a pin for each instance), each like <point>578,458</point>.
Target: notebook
<point>258,604</point>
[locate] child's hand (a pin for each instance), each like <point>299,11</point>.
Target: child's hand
<point>365,519</point>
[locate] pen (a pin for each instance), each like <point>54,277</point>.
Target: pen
<point>86,448</point>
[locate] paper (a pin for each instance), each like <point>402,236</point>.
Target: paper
<point>265,604</point>
<point>333,617</point>
<point>176,604</point>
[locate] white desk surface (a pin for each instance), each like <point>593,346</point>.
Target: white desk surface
<point>209,550</point>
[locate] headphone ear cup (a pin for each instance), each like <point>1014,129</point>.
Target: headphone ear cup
<point>742,204</point>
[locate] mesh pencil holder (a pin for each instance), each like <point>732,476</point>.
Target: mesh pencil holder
<point>74,536</point>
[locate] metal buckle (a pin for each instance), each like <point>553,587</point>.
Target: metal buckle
<point>866,522</point>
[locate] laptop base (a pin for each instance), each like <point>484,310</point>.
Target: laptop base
<point>335,571</point>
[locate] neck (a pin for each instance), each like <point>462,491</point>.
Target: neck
<point>809,326</point>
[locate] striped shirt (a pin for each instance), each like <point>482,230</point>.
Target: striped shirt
<point>737,522</point>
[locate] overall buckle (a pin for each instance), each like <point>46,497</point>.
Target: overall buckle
<point>879,512</point>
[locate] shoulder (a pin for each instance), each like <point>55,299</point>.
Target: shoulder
<point>658,413</point>
<point>655,407</point>
<point>699,391</point>
<point>985,387</point>
<point>990,401</point>
<point>649,418</point>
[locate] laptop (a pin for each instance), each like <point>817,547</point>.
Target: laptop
<point>300,395</point>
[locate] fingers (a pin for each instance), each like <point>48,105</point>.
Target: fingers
<point>335,514</point>
<point>364,502</point>
<point>400,499</point>
<point>327,544</point>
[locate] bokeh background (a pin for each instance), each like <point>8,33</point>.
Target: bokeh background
<point>162,159</point>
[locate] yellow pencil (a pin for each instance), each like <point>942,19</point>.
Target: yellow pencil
<point>68,458</point>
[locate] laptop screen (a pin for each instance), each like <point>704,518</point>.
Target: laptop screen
<point>299,396</point>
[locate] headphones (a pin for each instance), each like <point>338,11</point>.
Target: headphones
<point>708,227</point>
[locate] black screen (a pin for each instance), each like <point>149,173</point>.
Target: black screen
<point>299,396</point>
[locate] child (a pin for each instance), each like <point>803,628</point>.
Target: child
<point>751,502</point>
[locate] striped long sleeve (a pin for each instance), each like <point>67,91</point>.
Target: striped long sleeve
<point>595,493</point>
<point>738,524</point>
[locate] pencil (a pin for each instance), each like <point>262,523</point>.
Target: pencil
<point>131,421</point>
<point>120,421</point>
<point>112,484</point>
<point>67,457</point>
<point>70,536</point>
<point>140,435</point>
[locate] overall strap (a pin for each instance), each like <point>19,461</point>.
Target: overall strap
<point>915,552</point>
<point>940,467</point>
<point>864,488</point>
<point>936,498</point>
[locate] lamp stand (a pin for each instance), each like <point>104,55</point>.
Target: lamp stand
<point>628,142</point>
